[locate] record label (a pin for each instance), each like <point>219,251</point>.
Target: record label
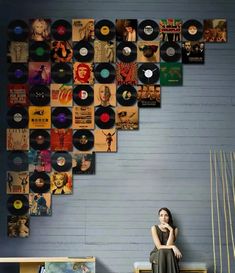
<point>126,95</point>
<point>39,182</point>
<point>105,73</point>
<point>83,95</point>
<point>105,117</point>
<point>83,140</point>
<point>61,161</point>
<point>18,204</point>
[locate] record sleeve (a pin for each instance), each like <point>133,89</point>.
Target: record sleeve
<point>83,73</point>
<point>126,30</point>
<point>40,29</point>
<point>17,94</point>
<point>61,94</point>
<point>40,204</point>
<point>61,52</point>
<point>105,140</point>
<point>104,51</point>
<point>127,118</point>
<point>39,73</point>
<point>17,52</point>
<point>61,183</point>
<point>17,139</point>
<point>39,117</point>
<point>61,139</point>
<point>83,163</point>
<point>193,52</point>
<point>39,160</point>
<point>83,30</point>
<point>17,226</point>
<point>170,30</point>
<point>126,73</point>
<point>105,95</point>
<point>148,52</point>
<point>215,31</point>
<point>83,117</point>
<point>171,74</point>
<point>149,96</point>
<point>17,182</point>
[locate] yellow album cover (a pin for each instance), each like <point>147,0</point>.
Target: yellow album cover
<point>127,118</point>
<point>83,117</point>
<point>105,95</point>
<point>148,51</point>
<point>39,117</point>
<point>61,94</point>
<point>61,183</point>
<point>83,30</point>
<point>17,182</point>
<point>105,140</point>
<point>105,51</point>
<point>83,73</point>
<point>17,139</point>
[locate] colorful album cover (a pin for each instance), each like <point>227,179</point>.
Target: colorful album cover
<point>61,139</point>
<point>83,163</point>
<point>127,118</point>
<point>170,30</point>
<point>61,183</point>
<point>39,117</point>
<point>126,73</point>
<point>39,161</point>
<point>171,74</point>
<point>193,52</point>
<point>17,94</point>
<point>105,51</point>
<point>61,94</point>
<point>40,29</point>
<point>39,73</point>
<point>105,140</point>
<point>148,51</point>
<point>17,139</point>
<point>70,267</point>
<point>149,95</point>
<point>83,30</point>
<point>17,52</point>
<point>40,204</point>
<point>215,31</point>
<point>61,51</point>
<point>17,182</point>
<point>83,117</point>
<point>126,30</point>
<point>17,226</point>
<point>83,73</point>
<point>105,95</point>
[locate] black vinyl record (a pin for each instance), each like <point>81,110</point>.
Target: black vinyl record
<point>105,117</point>
<point>61,73</point>
<point>61,30</point>
<point>39,51</point>
<point>126,95</point>
<point>83,140</point>
<point>105,30</point>
<point>17,117</point>
<point>148,30</point>
<point>18,204</point>
<point>83,51</point>
<point>40,139</point>
<point>61,117</point>
<point>39,95</point>
<point>18,30</point>
<point>170,52</point>
<point>105,73</point>
<point>127,52</point>
<point>17,161</point>
<point>192,30</point>
<point>39,182</point>
<point>148,73</point>
<point>61,161</point>
<point>83,95</point>
<point>18,73</point>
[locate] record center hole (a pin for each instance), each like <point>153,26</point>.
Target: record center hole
<point>83,94</point>
<point>17,117</point>
<point>148,73</point>
<point>18,204</point>
<point>148,30</point>
<point>104,117</point>
<point>170,51</point>
<point>83,51</point>
<point>60,161</point>
<point>61,117</point>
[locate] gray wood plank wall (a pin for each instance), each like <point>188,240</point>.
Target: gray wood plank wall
<point>165,163</point>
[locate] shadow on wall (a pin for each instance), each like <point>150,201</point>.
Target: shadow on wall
<point>99,268</point>
<point>11,268</point>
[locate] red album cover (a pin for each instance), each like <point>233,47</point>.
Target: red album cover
<point>17,139</point>
<point>17,94</point>
<point>170,30</point>
<point>61,139</point>
<point>126,73</point>
<point>83,73</point>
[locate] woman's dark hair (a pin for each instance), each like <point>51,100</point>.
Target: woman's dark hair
<point>170,216</point>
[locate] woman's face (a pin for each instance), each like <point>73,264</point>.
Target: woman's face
<point>85,164</point>
<point>104,93</point>
<point>59,180</point>
<point>163,217</point>
<point>38,28</point>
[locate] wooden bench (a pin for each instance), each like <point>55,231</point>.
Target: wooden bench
<point>185,267</point>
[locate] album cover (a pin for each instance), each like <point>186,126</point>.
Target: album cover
<point>105,95</point>
<point>61,183</point>
<point>61,51</point>
<point>61,94</point>
<point>83,73</point>
<point>17,226</point>
<point>105,51</point>
<point>40,29</point>
<point>61,139</point>
<point>83,117</point>
<point>149,95</point>
<point>148,51</point>
<point>215,30</point>
<point>39,161</point>
<point>171,74</point>
<point>193,52</point>
<point>127,118</point>
<point>17,139</point>
<point>39,117</point>
<point>170,30</point>
<point>17,52</point>
<point>69,267</point>
<point>105,140</point>
<point>40,204</point>
<point>83,30</point>
<point>17,182</point>
<point>83,163</point>
<point>17,94</point>
<point>126,73</point>
<point>39,73</point>
<point>126,30</point>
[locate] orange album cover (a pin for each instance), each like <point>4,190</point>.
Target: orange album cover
<point>105,94</point>
<point>105,140</point>
<point>127,118</point>
<point>61,95</point>
<point>17,182</point>
<point>61,183</point>
<point>17,139</point>
<point>83,30</point>
<point>39,117</point>
<point>83,117</point>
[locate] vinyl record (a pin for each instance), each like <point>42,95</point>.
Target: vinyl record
<point>17,161</point>
<point>105,73</point>
<point>39,182</point>
<point>18,73</point>
<point>61,161</point>
<point>83,95</point>
<point>126,95</point>
<point>18,204</point>
<point>148,30</point>
<point>105,30</point>
<point>83,140</point>
<point>170,52</point>
<point>83,51</point>
<point>61,73</point>
<point>39,51</point>
<point>127,52</point>
<point>17,117</point>
<point>61,117</point>
<point>148,73</point>
<point>61,30</point>
<point>39,95</point>
<point>192,30</point>
<point>18,30</point>
<point>40,139</point>
<point>105,117</point>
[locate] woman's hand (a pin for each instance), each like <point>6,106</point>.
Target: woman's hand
<point>167,226</point>
<point>177,253</point>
